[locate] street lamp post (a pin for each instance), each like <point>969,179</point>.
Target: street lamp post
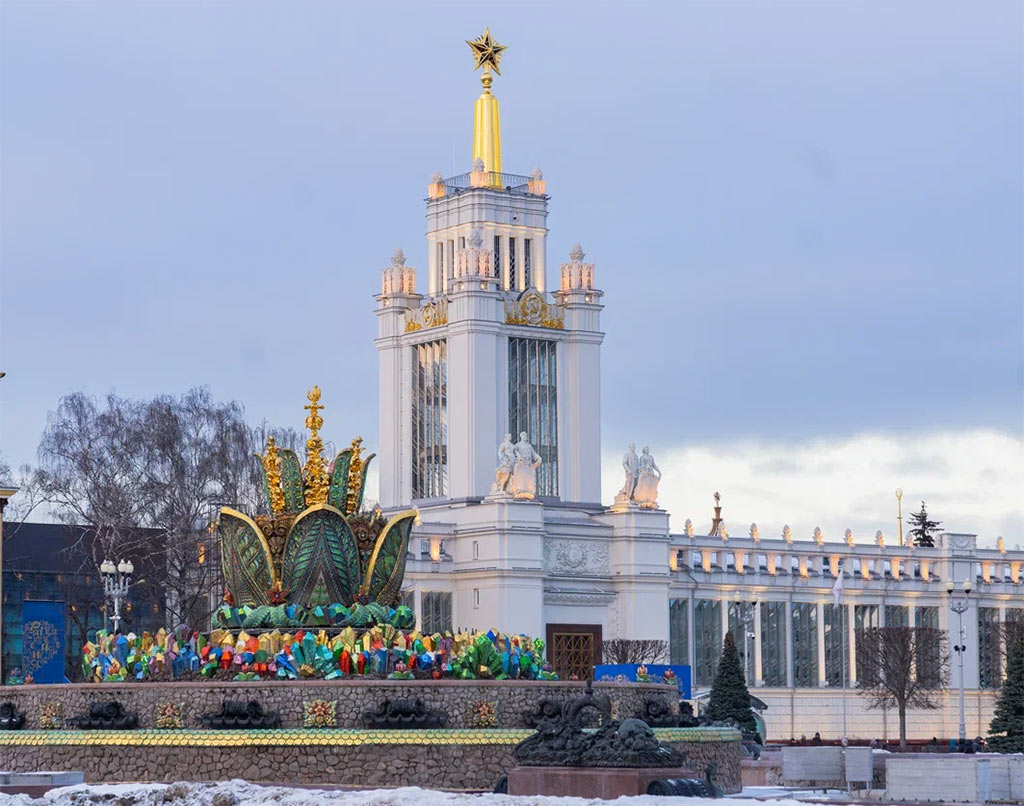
<point>116,581</point>
<point>959,605</point>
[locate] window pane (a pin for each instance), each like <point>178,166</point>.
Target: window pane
<point>533,404</point>
<point>773,643</point>
<point>707,636</point>
<point>430,420</point>
<point>679,631</point>
<point>805,645</point>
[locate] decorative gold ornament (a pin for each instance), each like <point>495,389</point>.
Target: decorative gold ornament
<point>486,51</point>
<point>533,310</point>
<point>355,474</point>
<point>272,466</point>
<point>432,314</point>
<point>315,471</point>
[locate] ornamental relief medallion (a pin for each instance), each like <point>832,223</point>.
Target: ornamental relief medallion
<point>576,557</point>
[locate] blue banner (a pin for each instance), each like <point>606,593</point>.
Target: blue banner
<point>655,674</point>
<point>42,641</point>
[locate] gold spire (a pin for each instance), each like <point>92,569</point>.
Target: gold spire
<point>272,468</point>
<point>487,118</point>
<point>355,475</point>
<point>315,471</point>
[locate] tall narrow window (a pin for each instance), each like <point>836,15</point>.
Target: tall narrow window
<point>451,259</point>
<point>462,242</point>
<point>741,625</point>
<point>836,659</point>
<point>437,612</point>
<point>679,631</point>
<point>805,644</point>
<point>707,639</point>
<point>513,279</point>
<point>928,662</point>
<point>773,643</point>
<point>865,617</point>
<point>430,420</point>
<point>533,404</point>
<point>527,273</point>
<point>440,267</point>
<point>989,668</point>
<point>497,257</point>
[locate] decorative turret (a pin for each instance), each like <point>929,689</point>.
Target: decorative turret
<point>577,275</point>
<point>398,278</point>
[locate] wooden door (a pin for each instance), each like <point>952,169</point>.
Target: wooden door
<point>574,649</point>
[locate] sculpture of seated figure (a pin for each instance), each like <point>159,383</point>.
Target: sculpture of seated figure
<point>649,475</point>
<point>506,458</point>
<point>523,482</point>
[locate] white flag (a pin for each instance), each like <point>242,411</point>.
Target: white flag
<point>837,588</point>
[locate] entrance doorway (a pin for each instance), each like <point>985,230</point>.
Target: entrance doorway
<point>574,649</point>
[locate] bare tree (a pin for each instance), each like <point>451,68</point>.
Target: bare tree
<point>634,650</point>
<point>901,667</point>
<point>165,465</point>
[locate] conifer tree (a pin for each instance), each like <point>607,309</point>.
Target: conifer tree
<point>922,533</point>
<point>729,696</point>
<point>1006,731</point>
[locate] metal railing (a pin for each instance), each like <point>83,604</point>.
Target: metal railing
<point>514,183</point>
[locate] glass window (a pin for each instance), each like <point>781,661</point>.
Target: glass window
<point>805,644</point>
<point>865,617</point>
<point>527,273</point>
<point>430,420</point>
<point>679,631</point>
<point>989,667</point>
<point>707,637</point>
<point>773,643</point>
<point>927,617</point>
<point>741,625</point>
<point>835,626</point>
<point>533,404</point>
<point>897,616</point>
<point>440,264</point>
<point>513,280</point>
<point>927,644</point>
<point>437,612</point>
<point>497,256</point>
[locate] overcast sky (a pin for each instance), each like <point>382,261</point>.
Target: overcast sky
<point>806,218</point>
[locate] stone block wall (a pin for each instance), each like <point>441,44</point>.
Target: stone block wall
<point>322,759</point>
<point>455,698</point>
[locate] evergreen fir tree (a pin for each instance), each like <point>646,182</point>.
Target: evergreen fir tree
<point>922,533</point>
<point>729,696</point>
<point>1006,731</point>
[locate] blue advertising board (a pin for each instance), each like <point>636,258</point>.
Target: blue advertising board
<point>655,674</point>
<point>43,636</point>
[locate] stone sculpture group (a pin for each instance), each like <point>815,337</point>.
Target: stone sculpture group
<point>516,474</point>
<point>642,477</point>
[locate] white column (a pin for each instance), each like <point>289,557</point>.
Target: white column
<point>820,619</point>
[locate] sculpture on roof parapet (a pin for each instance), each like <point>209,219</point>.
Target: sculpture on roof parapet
<point>688,527</point>
<point>753,532</point>
<point>819,538</point>
<point>787,533</point>
<point>848,534</point>
<point>879,539</point>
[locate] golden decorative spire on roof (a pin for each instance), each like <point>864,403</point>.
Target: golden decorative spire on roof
<point>272,466</point>
<point>315,471</point>
<point>487,119</point>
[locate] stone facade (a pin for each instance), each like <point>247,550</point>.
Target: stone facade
<point>454,698</point>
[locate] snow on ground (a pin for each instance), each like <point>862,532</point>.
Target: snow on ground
<point>242,793</point>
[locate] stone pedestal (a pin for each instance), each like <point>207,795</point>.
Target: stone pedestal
<point>607,783</point>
